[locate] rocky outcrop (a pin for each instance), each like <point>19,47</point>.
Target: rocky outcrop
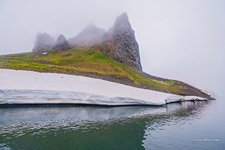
<point>43,41</point>
<point>88,36</point>
<point>61,44</point>
<point>120,43</point>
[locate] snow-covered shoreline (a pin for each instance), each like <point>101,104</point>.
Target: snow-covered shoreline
<point>28,87</point>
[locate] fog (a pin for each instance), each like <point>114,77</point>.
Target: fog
<point>179,39</point>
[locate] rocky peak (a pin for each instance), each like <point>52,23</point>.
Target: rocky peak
<point>122,44</point>
<point>61,43</point>
<point>43,41</point>
<point>121,23</point>
<point>90,35</point>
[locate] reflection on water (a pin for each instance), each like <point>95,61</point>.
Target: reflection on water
<point>92,127</point>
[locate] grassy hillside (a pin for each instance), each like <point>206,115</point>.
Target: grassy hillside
<point>92,62</point>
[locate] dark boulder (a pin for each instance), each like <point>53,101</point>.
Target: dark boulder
<point>61,43</point>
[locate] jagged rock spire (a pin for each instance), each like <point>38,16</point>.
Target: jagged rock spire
<point>122,23</point>
<point>122,43</point>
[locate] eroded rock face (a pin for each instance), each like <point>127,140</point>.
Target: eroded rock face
<point>61,44</point>
<point>121,43</point>
<point>88,36</point>
<point>43,41</point>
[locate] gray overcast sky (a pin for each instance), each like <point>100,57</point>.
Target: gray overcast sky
<point>180,39</point>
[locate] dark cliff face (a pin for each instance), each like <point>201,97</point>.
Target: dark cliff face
<point>121,43</point>
<point>61,44</point>
<point>43,41</point>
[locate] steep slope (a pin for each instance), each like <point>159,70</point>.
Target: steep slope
<point>94,63</point>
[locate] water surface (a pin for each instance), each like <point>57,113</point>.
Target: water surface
<point>187,125</point>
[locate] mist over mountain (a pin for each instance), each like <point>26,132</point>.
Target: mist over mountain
<point>90,35</point>
<point>118,42</point>
<point>43,42</point>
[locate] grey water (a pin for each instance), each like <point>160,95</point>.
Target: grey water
<point>178,126</point>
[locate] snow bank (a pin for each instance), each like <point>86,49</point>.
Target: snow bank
<point>28,87</point>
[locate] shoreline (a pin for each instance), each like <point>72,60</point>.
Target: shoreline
<point>45,105</point>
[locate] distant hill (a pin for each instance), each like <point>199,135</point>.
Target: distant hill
<point>88,36</point>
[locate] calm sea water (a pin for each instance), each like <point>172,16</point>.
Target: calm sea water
<point>189,125</point>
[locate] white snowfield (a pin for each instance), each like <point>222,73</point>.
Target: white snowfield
<point>28,87</point>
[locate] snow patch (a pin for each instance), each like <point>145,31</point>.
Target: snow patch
<point>21,87</point>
